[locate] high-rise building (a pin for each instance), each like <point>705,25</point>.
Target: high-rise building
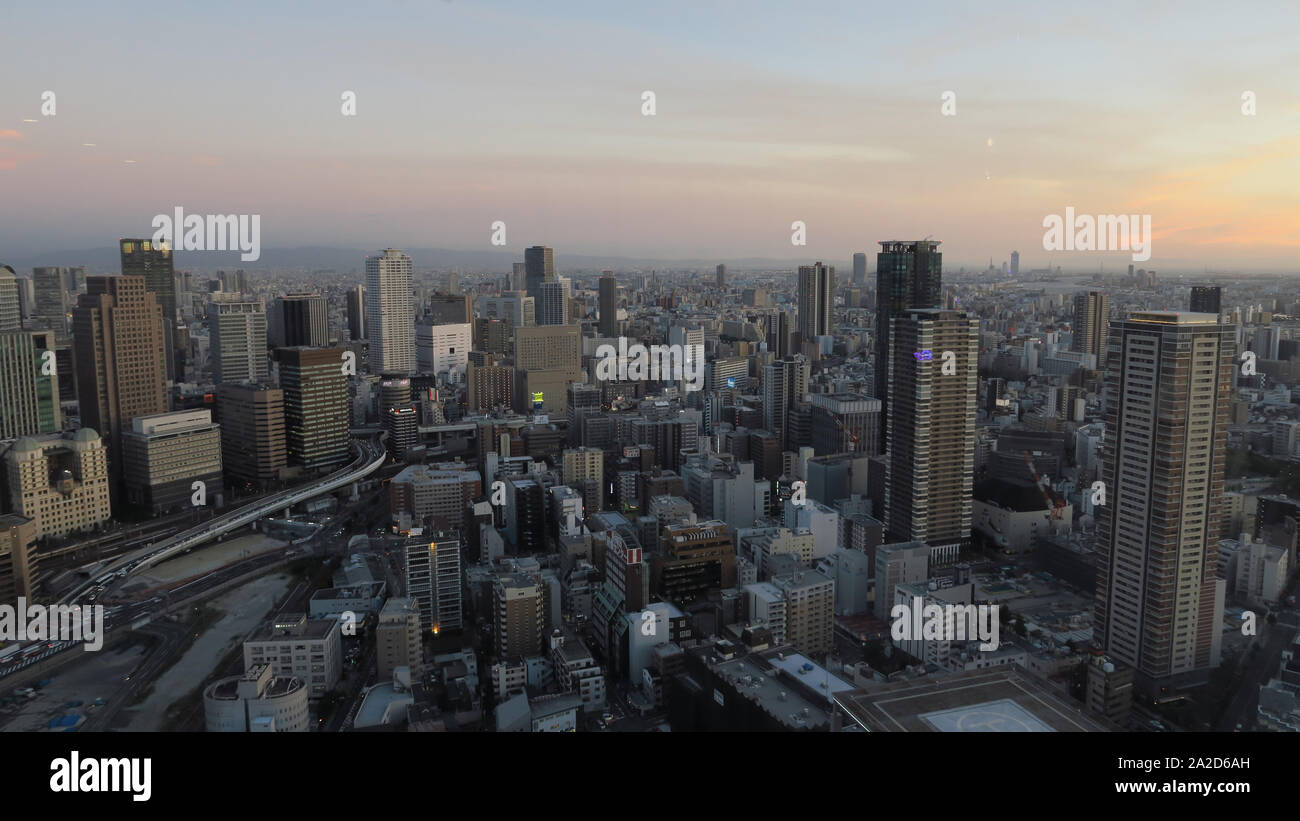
<point>722,276</point>
<point>11,310</point>
<point>357,313</point>
<point>52,299</point>
<point>252,422</point>
<point>1206,299</point>
<point>293,645</point>
<point>584,470</point>
<point>515,308</point>
<point>440,491</point>
<point>785,381</point>
<point>859,269</point>
<point>1091,321</point>
<point>909,274</point>
<point>443,348</point>
<point>520,615</point>
<point>548,358</point>
<point>390,320</point>
<point>933,387</point>
<point>29,384</point>
<point>315,406</point>
<point>489,386</point>
<point>552,304</point>
<point>433,578</point>
<point>693,559</point>
<point>1159,599</point>
<point>518,278</point>
<point>238,341</point>
<point>59,482</point>
<point>299,319</point>
<point>397,638</point>
<point>141,258</point>
<point>1015,263</point>
<point>608,305</point>
<point>816,301</point>
<point>165,454</point>
<point>119,345</point>
<point>450,309</point>
<point>844,423</point>
<point>539,267</point>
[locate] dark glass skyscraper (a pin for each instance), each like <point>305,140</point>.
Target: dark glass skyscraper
<point>539,267</point>
<point>909,274</point>
<point>1206,299</point>
<point>140,258</point>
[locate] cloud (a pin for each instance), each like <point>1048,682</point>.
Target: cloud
<point>10,134</point>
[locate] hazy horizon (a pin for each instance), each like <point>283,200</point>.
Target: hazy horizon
<point>469,113</point>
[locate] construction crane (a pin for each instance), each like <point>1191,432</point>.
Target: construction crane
<point>1055,507</point>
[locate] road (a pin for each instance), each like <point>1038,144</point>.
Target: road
<point>1259,667</point>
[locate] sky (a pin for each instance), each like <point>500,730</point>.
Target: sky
<point>530,113</point>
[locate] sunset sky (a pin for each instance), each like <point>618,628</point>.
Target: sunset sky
<point>530,113</point>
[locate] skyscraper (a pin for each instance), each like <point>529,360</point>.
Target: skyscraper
<point>315,406</point>
<point>933,382</point>
<point>1207,299</point>
<point>29,386</point>
<point>1015,263</point>
<point>552,305</point>
<point>816,300</point>
<point>1159,602</point>
<point>238,341</point>
<point>608,305</point>
<point>785,381</point>
<point>722,276</point>
<point>1091,321</point>
<point>252,432</point>
<point>11,312</point>
<point>859,268</point>
<point>390,320</point>
<point>539,267</point>
<point>909,274</point>
<point>357,313</point>
<point>118,339</point>
<point>141,258</point>
<point>299,319</point>
<point>52,299</point>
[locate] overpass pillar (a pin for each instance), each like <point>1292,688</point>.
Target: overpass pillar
<point>285,515</point>
<point>355,495</point>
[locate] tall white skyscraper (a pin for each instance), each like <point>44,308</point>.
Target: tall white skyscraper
<point>237,331</point>
<point>390,319</point>
<point>552,305</point>
<point>1159,605</point>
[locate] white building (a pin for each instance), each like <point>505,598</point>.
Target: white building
<point>390,319</point>
<point>443,349</point>
<point>257,701</point>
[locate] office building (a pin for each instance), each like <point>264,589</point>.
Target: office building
<point>443,349</point>
<point>315,406</point>
<point>299,320</point>
<point>390,319</point>
<point>693,559</point>
<point>1159,602</point>
<point>119,345</point>
<point>450,309</point>
<point>844,423</point>
<point>357,313</point>
<point>816,297</point>
<point>608,306</point>
<point>584,470</point>
<point>238,338</point>
<point>397,638</point>
<point>61,483</point>
<point>256,702</point>
<point>252,419</point>
<point>293,645</point>
<point>931,451</point>
<point>52,304</point>
<point>909,274</point>
<point>165,454</point>
<point>19,566</point>
<point>29,384</point>
<point>900,563</point>
<point>398,415</point>
<point>516,308</point>
<point>539,267</point>
<point>859,269</point>
<point>141,258</point>
<point>722,276</point>
<point>439,492</point>
<point>785,381</point>
<point>11,310</point>
<point>1206,299</point>
<point>553,300</point>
